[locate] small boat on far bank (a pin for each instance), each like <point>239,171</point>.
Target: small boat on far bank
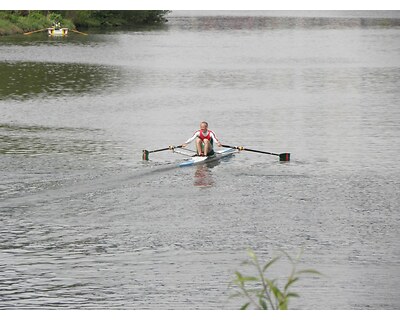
<point>53,32</point>
<point>56,31</point>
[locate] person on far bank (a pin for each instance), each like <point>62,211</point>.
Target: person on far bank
<point>204,140</point>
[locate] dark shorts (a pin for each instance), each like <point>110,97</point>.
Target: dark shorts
<point>211,153</point>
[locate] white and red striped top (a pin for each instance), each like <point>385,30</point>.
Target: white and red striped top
<point>208,135</point>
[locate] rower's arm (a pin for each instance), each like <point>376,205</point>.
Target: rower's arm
<point>192,138</point>
<point>214,137</point>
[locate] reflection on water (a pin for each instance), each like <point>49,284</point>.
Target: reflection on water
<point>203,176</point>
<point>26,80</point>
<point>42,38</point>
<point>35,158</point>
<point>38,140</point>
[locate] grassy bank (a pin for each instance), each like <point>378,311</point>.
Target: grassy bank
<point>14,22</point>
<point>116,18</point>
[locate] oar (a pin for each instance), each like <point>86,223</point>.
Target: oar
<point>282,156</point>
<point>147,152</point>
<point>76,31</point>
<point>26,33</point>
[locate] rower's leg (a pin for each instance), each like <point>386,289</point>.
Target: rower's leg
<point>199,146</point>
<point>207,147</point>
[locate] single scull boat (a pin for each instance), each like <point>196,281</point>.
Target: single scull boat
<point>195,159</point>
<point>218,154</point>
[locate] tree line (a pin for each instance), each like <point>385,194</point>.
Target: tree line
<point>17,21</point>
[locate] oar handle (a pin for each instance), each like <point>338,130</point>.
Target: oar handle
<point>282,156</point>
<point>164,149</point>
<point>147,152</point>
<point>251,150</point>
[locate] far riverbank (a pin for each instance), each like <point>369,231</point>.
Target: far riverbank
<point>20,21</point>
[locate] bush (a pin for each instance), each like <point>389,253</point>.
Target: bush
<point>83,19</point>
<point>265,293</point>
<point>21,21</point>
<point>7,28</point>
<point>33,21</point>
<point>113,18</point>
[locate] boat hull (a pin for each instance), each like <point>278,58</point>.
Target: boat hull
<point>57,32</point>
<point>200,160</point>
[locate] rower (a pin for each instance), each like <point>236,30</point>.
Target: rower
<point>204,140</point>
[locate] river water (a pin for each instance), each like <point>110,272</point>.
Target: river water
<point>86,224</point>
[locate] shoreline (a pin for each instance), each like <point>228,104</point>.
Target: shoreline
<point>20,22</point>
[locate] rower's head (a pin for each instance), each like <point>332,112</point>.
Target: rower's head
<point>203,126</point>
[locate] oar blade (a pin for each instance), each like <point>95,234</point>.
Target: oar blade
<point>145,155</point>
<point>284,157</point>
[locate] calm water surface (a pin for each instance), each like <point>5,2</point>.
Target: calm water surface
<point>85,224</point>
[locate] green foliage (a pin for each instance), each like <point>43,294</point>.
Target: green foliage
<point>33,21</point>
<point>23,21</point>
<point>83,18</point>
<point>115,18</point>
<point>55,17</point>
<point>265,293</point>
<point>18,21</point>
<point>7,27</point>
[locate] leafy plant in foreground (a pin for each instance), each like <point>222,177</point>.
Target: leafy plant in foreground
<point>264,293</point>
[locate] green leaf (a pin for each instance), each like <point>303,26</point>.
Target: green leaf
<point>238,275</point>
<point>292,294</point>
<point>255,291</point>
<point>288,256</point>
<point>251,254</point>
<point>235,295</point>
<point>312,271</point>
<point>270,263</point>
<point>300,254</point>
<point>290,282</point>
<point>244,307</point>
<point>245,279</point>
<point>263,304</point>
<point>283,305</point>
<point>253,257</point>
<point>270,283</point>
<point>239,279</point>
<point>277,293</point>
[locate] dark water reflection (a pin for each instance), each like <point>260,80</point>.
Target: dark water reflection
<point>30,80</point>
<point>37,140</point>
